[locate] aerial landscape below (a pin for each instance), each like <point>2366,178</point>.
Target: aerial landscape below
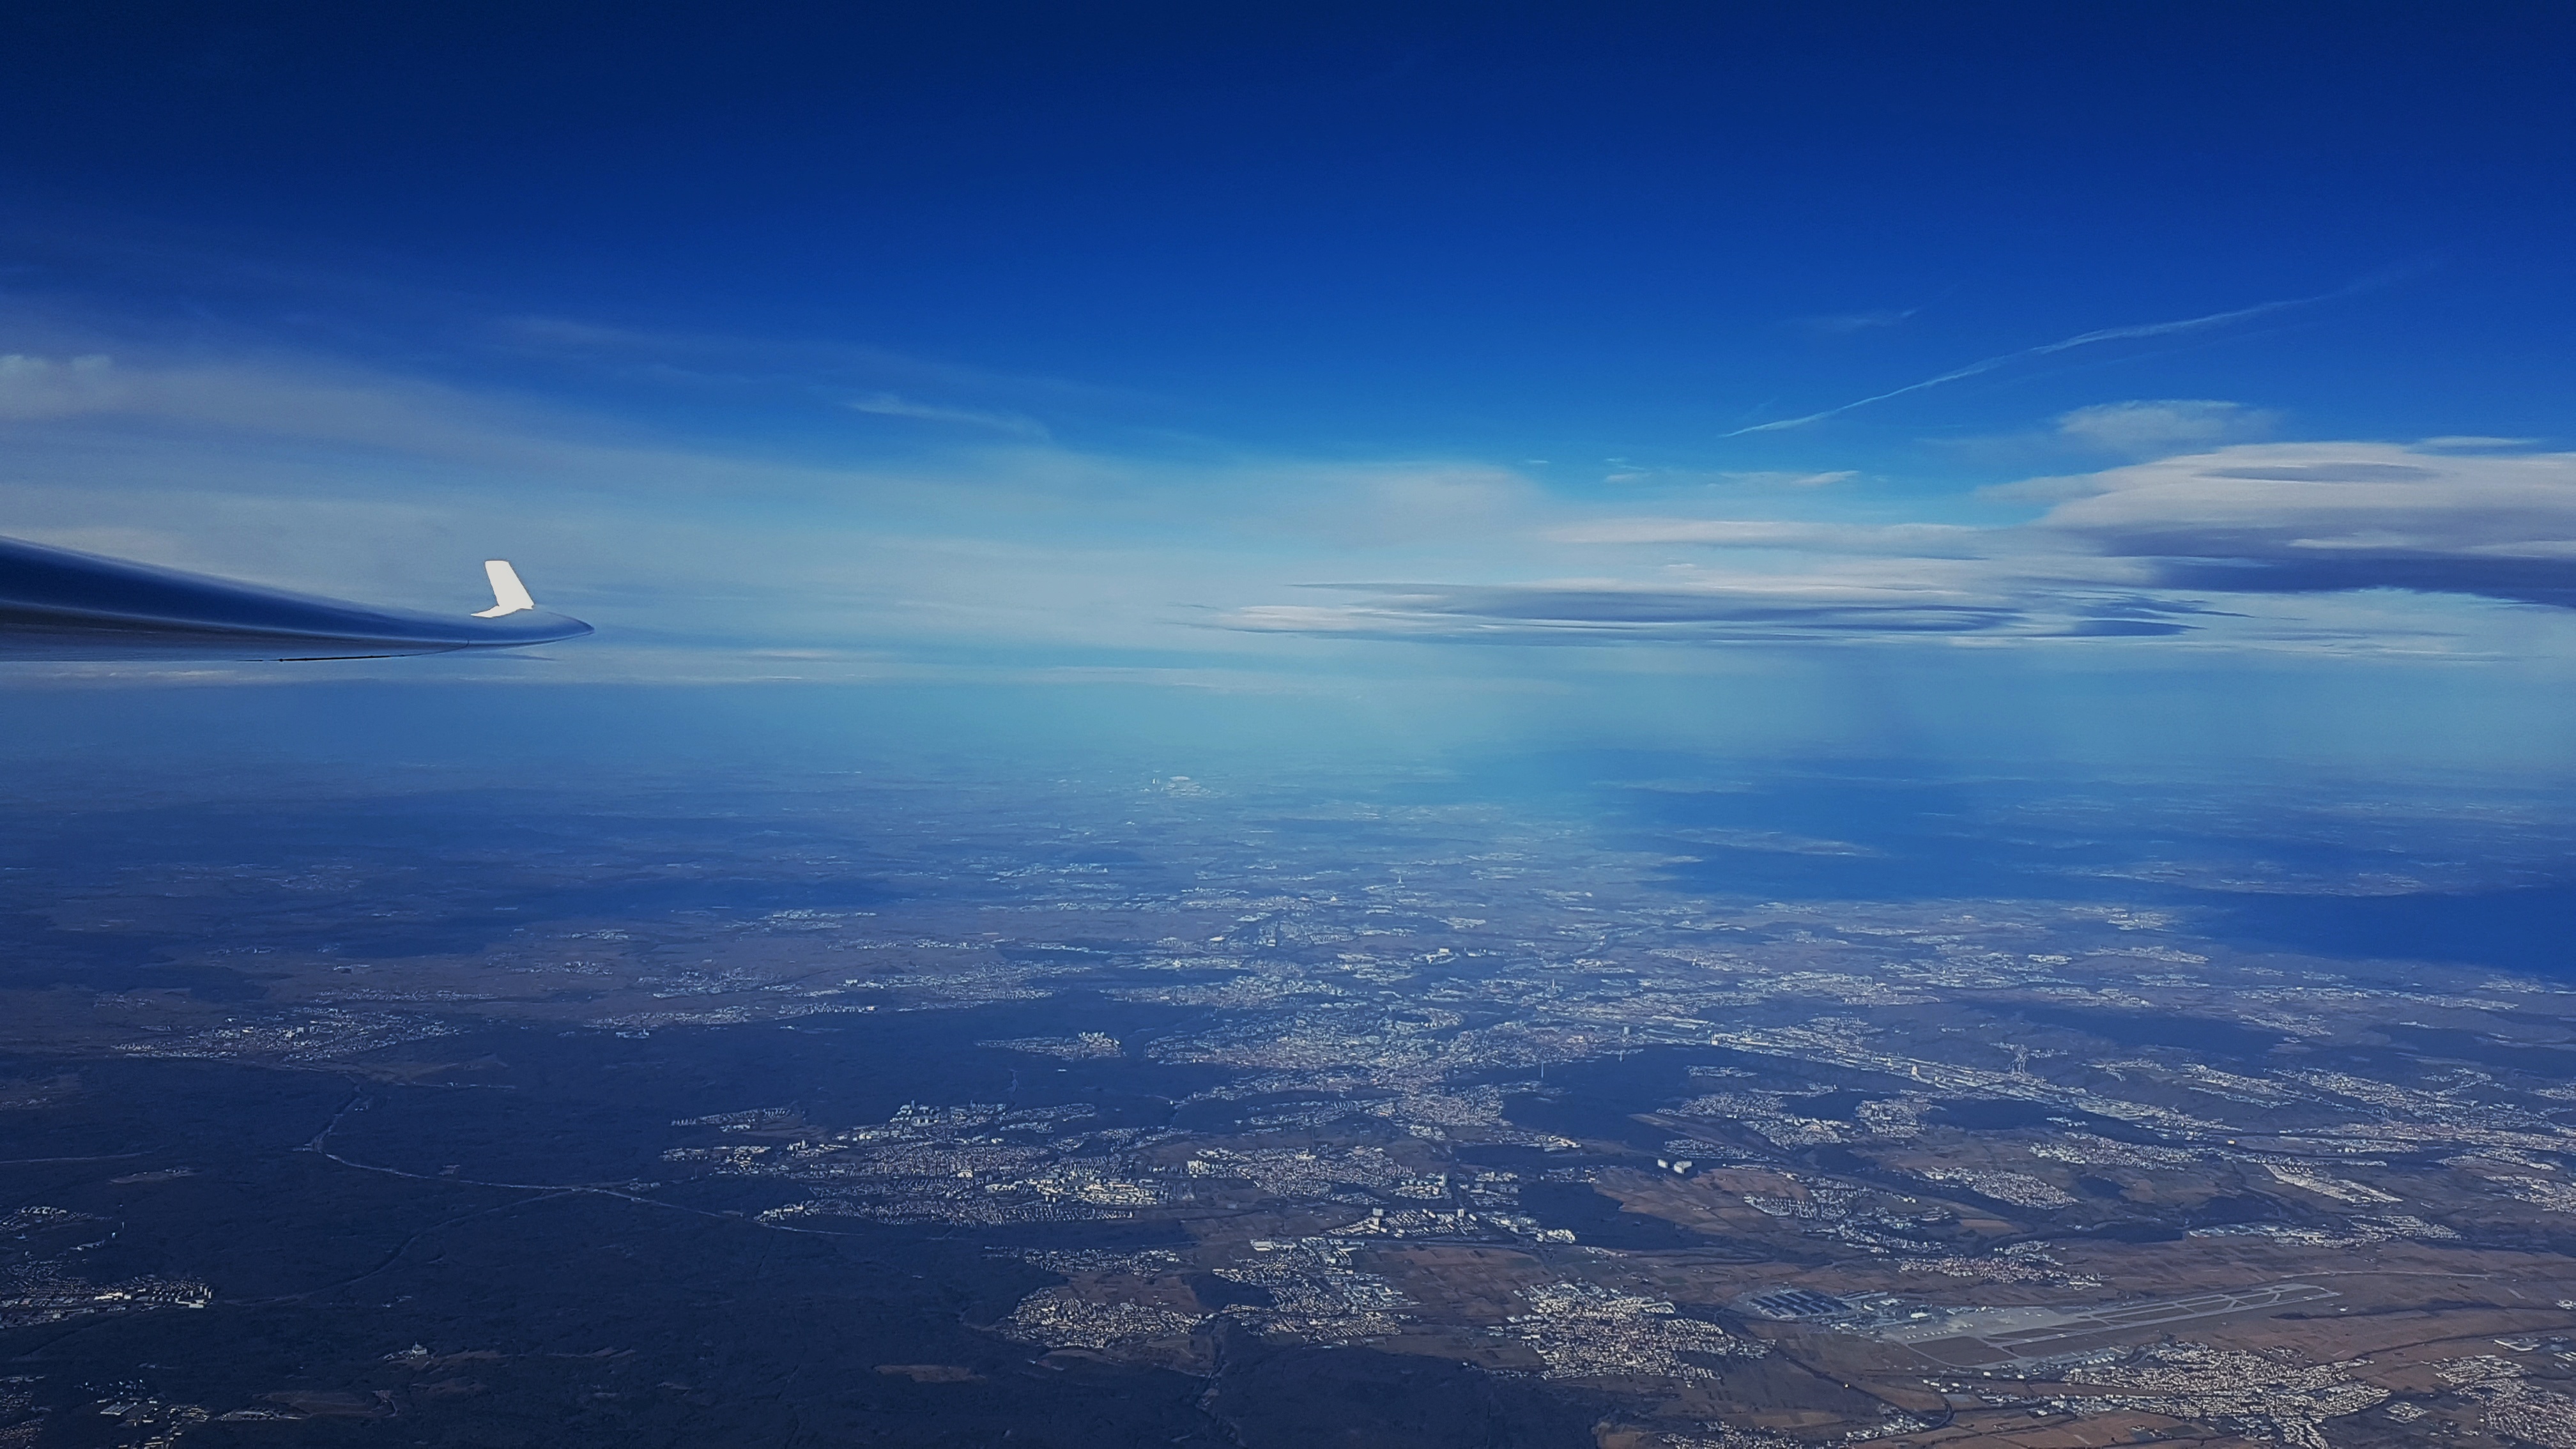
<point>1158,1110</point>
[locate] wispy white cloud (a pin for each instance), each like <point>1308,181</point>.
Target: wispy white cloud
<point>2132,429</point>
<point>1758,478</point>
<point>1931,540</point>
<point>1843,324</point>
<point>893,405</point>
<point>2475,442</point>
<point>2152,428</point>
<point>826,368</point>
<point>45,387</point>
<point>1791,479</point>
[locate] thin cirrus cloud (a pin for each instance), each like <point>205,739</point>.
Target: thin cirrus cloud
<point>1778,478</point>
<point>1929,540</point>
<point>1759,478</point>
<point>2146,429</point>
<point>1843,324</point>
<point>831,369</point>
<point>33,387</point>
<point>2216,547</point>
<point>894,405</point>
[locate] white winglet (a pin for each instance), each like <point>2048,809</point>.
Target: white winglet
<point>509,596</point>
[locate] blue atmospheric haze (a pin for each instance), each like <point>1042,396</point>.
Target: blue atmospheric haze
<point>2181,386</point>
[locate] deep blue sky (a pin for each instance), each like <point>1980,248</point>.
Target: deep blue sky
<point>1085,336</point>
<point>1562,227</point>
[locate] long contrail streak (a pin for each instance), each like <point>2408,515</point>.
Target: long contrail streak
<point>2081,339</point>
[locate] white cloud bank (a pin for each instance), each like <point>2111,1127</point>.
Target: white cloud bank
<point>2311,517</point>
<point>2248,544</point>
<point>705,556</point>
<point>320,474</point>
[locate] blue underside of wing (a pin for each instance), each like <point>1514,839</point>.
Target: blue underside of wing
<point>57,604</point>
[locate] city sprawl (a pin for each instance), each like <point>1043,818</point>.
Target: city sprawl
<point>1199,1079</point>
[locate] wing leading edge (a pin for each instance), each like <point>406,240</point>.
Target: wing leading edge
<point>57,604</point>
